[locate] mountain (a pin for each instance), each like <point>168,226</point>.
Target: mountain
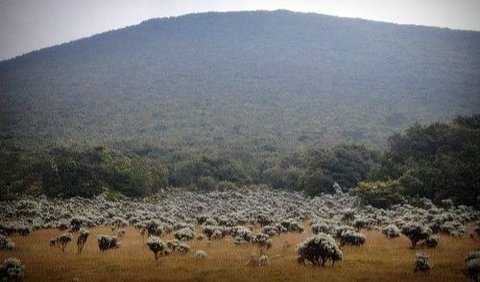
<point>264,81</point>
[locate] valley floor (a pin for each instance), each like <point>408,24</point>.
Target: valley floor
<point>380,259</point>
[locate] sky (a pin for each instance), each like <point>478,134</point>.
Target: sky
<point>28,25</point>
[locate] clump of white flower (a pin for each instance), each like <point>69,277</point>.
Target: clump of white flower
<point>200,254</point>
<point>61,241</point>
<point>82,239</point>
<point>106,242</point>
<point>432,241</point>
<point>416,232</point>
<point>6,244</point>
<point>158,247</point>
<point>11,269</point>
<point>318,249</point>
<point>184,234</point>
<point>422,263</point>
<point>352,238</point>
<point>472,265</point>
<point>391,231</point>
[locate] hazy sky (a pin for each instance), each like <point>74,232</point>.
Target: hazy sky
<point>27,25</point>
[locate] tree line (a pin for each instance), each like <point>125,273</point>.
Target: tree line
<point>436,161</point>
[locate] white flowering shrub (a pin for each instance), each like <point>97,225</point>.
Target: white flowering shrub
<point>6,244</point>
<point>472,266</point>
<point>182,248</point>
<point>348,215</point>
<point>184,234</point>
<point>200,254</point>
<point>391,231</point>
<point>106,242</point>
<point>322,228</point>
<point>422,263</point>
<point>416,232</point>
<point>208,230</point>
<point>352,238</point>
<point>154,228</point>
<point>270,230</point>
<point>11,269</point>
<point>292,225</point>
<point>342,229</point>
<point>158,247</point>
<point>263,219</point>
<point>76,224</point>
<point>263,260</point>
<point>61,241</point>
<point>23,230</point>
<point>262,241</point>
<point>432,241</point>
<point>217,234</point>
<point>258,261</point>
<point>243,235</point>
<point>82,239</point>
<point>318,249</point>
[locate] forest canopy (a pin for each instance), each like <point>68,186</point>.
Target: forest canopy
<point>436,161</point>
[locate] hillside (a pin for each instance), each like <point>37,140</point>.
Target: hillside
<point>267,81</point>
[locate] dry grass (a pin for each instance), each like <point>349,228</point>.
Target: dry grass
<point>379,260</point>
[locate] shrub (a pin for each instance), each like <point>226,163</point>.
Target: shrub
<point>182,248</point>
<point>12,268</point>
<point>154,228</point>
<point>6,243</point>
<point>415,232</point>
<point>352,238</point>
<point>158,247</point>
<point>432,241</point>
<point>23,230</point>
<point>82,239</point>
<point>61,241</point>
<point>263,219</point>
<point>422,263</point>
<point>318,250</point>
<point>321,228</point>
<point>263,260</point>
<point>262,241</point>
<point>244,234</point>
<point>106,242</point>
<point>342,229</point>
<point>185,233</point>
<point>360,223</point>
<point>76,224</point>
<point>348,215</point>
<point>472,265</point>
<point>257,262</point>
<point>292,225</point>
<point>391,231</point>
<point>200,254</point>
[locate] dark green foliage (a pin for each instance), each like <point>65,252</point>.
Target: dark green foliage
<point>262,82</point>
<point>438,161</point>
<point>244,98</point>
<point>205,172</point>
<point>345,164</point>
<point>381,194</point>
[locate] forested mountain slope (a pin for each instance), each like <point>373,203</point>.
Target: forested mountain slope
<point>241,80</point>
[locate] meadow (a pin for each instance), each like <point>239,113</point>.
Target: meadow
<point>380,259</point>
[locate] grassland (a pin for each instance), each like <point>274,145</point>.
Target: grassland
<point>380,259</point>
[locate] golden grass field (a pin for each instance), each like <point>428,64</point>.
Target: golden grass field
<point>380,259</point>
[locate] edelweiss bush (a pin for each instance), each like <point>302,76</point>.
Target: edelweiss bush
<point>318,250</point>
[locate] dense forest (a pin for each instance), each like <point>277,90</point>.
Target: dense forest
<point>263,82</point>
<point>437,161</point>
<point>227,100</point>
